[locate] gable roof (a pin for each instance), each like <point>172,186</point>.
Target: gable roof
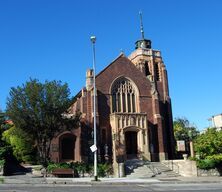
<point>122,66</point>
<point>121,55</point>
<point>119,60</point>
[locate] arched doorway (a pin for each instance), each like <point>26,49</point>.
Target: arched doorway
<point>131,144</point>
<point>67,147</point>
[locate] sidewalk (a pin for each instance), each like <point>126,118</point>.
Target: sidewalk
<point>117,181</point>
<point>31,179</point>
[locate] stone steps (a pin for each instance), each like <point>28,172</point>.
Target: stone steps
<point>145,169</point>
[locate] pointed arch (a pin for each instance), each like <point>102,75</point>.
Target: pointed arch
<point>67,146</point>
<point>124,96</point>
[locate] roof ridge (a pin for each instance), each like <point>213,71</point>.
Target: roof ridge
<point>121,55</point>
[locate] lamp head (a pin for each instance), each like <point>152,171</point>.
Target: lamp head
<point>93,39</point>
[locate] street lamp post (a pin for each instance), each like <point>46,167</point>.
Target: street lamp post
<point>93,40</point>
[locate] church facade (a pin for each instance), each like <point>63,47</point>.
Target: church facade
<point>133,112</point>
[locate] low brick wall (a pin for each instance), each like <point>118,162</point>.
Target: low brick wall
<point>189,168</point>
<point>185,168</point>
<point>207,173</point>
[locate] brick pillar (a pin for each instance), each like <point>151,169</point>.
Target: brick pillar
<point>170,125</point>
<point>158,120</point>
<point>169,112</point>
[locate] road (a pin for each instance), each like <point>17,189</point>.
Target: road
<point>201,187</point>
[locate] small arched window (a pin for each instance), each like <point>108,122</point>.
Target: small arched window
<point>147,70</point>
<point>124,96</point>
<point>157,72</point>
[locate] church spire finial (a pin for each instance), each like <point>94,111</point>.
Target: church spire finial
<point>141,25</point>
<point>142,43</point>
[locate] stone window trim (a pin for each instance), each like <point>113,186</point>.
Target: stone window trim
<point>124,96</point>
<point>133,128</point>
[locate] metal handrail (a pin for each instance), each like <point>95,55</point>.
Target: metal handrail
<point>154,170</point>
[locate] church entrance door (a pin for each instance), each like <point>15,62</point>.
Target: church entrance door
<point>67,147</point>
<point>131,144</point>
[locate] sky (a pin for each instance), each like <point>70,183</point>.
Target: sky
<point>50,40</point>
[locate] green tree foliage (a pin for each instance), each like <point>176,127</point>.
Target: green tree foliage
<point>2,117</point>
<point>3,125</point>
<point>38,109</point>
<point>2,128</point>
<point>22,144</point>
<point>2,120</point>
<point>184,130</point>
<point>2,144</point>
<point>5,150</point>
<point>209,144</point>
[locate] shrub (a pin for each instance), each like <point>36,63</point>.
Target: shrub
<point>52,166</point>
<point>81,168</point>
<point>5,152</point>
<point>2,162</point>
<point>209,143</point>
<point>104,170</point>
<point>206,164</point>
<point>216,157</point>
<point>21,143</point>
<point>1,180</point>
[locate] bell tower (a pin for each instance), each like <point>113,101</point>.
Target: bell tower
<point>151,65</point>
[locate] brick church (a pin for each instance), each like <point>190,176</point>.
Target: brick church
<point>133,112</point>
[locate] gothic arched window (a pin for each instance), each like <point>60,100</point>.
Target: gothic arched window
<point>124,96</point>
<point>157,71</point>
<point>147,70</point>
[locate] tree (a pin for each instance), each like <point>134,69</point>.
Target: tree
<point>2,118</point>
<point>39,109</point>
<point>184,130</point>
<point>2,143</point>
<point>209,144</point>
<point>5,149</point>
<point>22,144</point>
<point>3,127</point>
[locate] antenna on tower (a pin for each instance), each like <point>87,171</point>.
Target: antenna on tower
<point>141,25</point>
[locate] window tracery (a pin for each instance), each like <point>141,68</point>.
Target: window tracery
<point>124,96</point>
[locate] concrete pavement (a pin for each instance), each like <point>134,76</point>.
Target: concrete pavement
<point>134,180</point>
<point>31,179</point>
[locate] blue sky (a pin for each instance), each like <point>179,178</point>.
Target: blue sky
<point>50,40</point>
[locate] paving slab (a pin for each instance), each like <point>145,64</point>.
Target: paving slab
<point>31,179</point>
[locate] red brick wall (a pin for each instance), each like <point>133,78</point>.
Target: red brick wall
<point>160,130</point>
